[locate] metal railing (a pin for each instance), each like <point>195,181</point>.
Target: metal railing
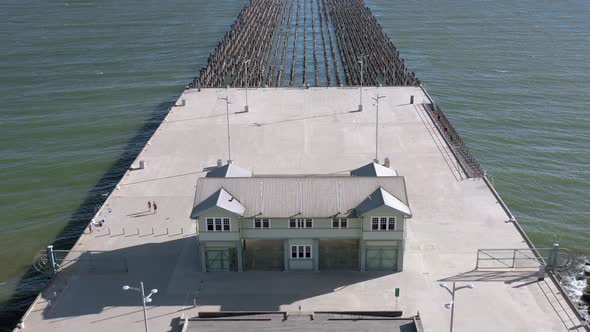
<point>52,261</point>
<point>556,258</point>
<point>451,136</point>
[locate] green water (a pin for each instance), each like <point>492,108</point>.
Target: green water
<point>82,82</point>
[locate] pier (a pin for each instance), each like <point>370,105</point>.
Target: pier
<point>298,65</point>
<point>277,43</point>
<point>299,131</point>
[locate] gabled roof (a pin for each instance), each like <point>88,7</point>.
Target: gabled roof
<point>220,199</point>
<point>303,196</point>
<point>382,197</point>
<point>373,169</point>
<point>229,171</point>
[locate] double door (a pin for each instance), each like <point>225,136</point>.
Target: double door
<point>381,259</point>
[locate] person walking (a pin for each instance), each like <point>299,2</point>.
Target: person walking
<point>155,207</point>
<point>150,206</point>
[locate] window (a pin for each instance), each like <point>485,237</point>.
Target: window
<point>261,223</point>
<point>375,223</point>
<point>391,224</point>
<point>339,223</point>
<point>300,223</point>
<point>301,252</point>
<point>383,224</point>
<point>218,224</point>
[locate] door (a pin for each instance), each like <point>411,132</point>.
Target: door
<point>381,259</point>
<point>217,260</point>
<point>338,255</point>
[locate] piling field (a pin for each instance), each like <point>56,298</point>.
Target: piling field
<point>280,42</point>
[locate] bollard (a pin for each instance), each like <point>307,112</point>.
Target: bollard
<point>541,272</point>
<point>411,99</point>
<point>553,256</point>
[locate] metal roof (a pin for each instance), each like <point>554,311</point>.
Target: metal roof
<point>373,169</point>
<point>303,196</point>
<point>229,171</point>
<point>221,199</point>
<point>381,197</point>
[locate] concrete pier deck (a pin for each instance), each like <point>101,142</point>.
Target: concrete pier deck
<point>297,131</point>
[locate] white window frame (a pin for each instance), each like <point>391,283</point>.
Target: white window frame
<point>261,221</point>
<point>301,251</point>
<point>218,221</point>
<point>374,221</point>
<point>384,223</point>
<point>300,223</point>
<point>339,221</point>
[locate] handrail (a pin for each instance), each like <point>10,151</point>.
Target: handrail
<point>466,159</point>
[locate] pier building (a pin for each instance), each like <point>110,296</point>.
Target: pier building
<point>305,222</point>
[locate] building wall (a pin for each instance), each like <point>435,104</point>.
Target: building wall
<point>232,235</point>
<point>299,264</point>
<point>358,228</point>
<point>385,239</point>
<point>322,228</point>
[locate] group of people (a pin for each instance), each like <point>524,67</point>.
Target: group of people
<point>100,223</point>
<point>154,205</point>
<point>95,224</point>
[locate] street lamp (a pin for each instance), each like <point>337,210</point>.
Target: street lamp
<point>144,300</point>
<point>451,305</point>
<point>227,118</point>
<point>376,99</point>
<point>246,64</point>
<point>360,60</point>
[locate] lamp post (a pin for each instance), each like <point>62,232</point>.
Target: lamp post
<point>246,64</point>
<point>360,60</point>
<point>144,299</point>
<point>376,99</point>
<point>451,305</point>
<point>227,118</point>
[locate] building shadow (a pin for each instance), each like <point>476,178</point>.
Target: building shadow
<point>94,283</point>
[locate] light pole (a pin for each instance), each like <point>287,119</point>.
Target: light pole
<point>376,99</point>
<point>451,305</point>
<point>246,64</point>
<point>227,118</point>
<point>360,60</point>
<point>144,300</point>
